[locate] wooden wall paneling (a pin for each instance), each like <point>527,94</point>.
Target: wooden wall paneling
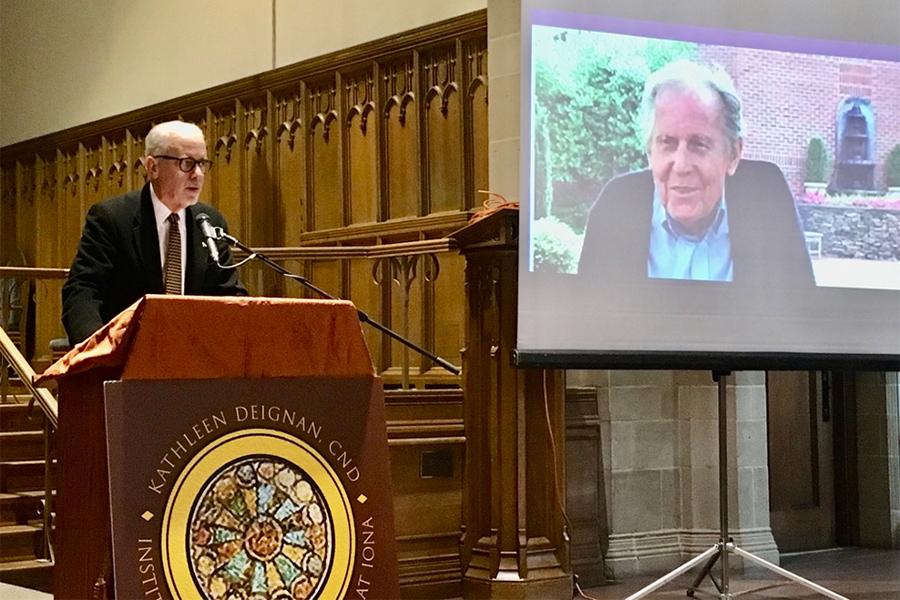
<point>79,188</point>
<point>328,275</point>
<point>47,223</point>
<point>383,315</point>
<point>71,201</point>
<point>442,127</point>
<point>360,145</point>
<point>402,279</point>
<point>47,293</point>
<point>448,315</point>
<point>94,172</point>
<point>792,441</point>
<point>377,123</point>
<point>223,186</point>
<point>116,150</point>
<point>401,174</point>
<point>324,170</point>
<point>430,271</point>
<point>289,164</point>
<point>257,206</point>
<point>257,197</point>
<point>367,297</point>
<point>276,215</point>
<point>292,289</point>
<point>26,218</point>
<point>475,122</point>
<point>8,226</point>
<point>26,224</point>
<point>381,278</point>
<point>137,175</point>
<point>425,425</point>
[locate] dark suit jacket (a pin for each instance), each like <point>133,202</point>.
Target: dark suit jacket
<point>118,261</point>
<point>767,243</point>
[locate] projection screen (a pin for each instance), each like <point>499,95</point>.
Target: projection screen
<point>710,185</point>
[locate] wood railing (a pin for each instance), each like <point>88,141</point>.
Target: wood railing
<point>394,264</point>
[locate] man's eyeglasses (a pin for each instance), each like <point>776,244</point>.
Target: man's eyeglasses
<point>187,164</point>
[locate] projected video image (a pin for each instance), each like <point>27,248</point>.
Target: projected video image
<point>771,162</point>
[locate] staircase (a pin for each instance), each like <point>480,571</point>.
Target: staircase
<point>22,545</point>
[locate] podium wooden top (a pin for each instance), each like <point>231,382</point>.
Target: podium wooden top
<point>200,337</point>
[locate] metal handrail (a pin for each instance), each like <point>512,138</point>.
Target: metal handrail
<point>396,249</point>
<point>45,399</point>
<point>50,408</point>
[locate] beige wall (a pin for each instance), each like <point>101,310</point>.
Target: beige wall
<point>68,62</point>
<point>307,28</point>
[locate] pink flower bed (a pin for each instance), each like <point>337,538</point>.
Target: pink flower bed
<point>820,198</point>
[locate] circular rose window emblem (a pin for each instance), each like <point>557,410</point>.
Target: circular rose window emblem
<point>260,528</point>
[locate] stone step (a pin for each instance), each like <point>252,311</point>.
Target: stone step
<point>34,574</point>
<point>21,445</point>
<point>22,475</point>
<point>20,542</point>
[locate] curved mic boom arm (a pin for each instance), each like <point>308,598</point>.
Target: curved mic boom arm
<point>365,318</point>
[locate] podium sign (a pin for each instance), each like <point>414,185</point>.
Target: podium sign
<point>237,488</point>
<point>224,448</point>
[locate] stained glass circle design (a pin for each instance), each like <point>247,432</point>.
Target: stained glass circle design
<point>258,513</point>
<point>260,528</point>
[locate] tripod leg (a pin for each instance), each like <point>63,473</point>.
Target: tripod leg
<point>706,570</point>
<point>785,573</point>
<point>673,574</point>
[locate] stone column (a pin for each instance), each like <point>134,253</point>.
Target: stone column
<point>664,499</point>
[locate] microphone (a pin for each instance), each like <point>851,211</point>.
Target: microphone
<point>209,234</point>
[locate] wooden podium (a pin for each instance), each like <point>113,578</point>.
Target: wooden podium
<point>209,446</point>
<point>513,543</point>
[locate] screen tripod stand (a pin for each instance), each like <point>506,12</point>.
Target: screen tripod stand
<point>725,546</point>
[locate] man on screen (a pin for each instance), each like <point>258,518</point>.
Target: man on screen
<point>700,212</point>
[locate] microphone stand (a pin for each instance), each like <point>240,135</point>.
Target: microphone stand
<point>365,318</point>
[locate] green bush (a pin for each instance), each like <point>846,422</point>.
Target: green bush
<point>816,160</point>
<point>588,88</point>
<point>892,167</point>
<point>556,246</point>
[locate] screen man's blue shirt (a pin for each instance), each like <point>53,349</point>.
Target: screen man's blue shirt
<point>676,254</point>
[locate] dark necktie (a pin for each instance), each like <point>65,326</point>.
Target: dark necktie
<point>172,276</point>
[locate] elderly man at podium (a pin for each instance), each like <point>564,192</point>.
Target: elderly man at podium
<point>148,241</point>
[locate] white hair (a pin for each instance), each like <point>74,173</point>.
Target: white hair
<point>688,76</point>
<point>162,137</point>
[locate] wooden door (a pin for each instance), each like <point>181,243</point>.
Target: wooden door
<point>801,474</point>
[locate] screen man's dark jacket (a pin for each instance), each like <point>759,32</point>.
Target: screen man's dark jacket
<point>118,261</point>
<point>767,242</point>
